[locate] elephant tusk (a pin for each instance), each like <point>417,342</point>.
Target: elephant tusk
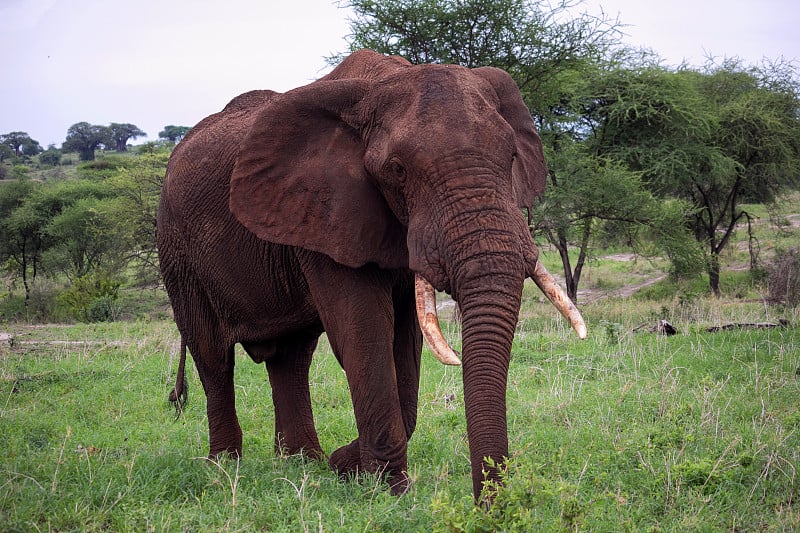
<point>429,322</point>
<point>560,300</point>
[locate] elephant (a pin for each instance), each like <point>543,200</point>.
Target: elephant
<point>341,207</point>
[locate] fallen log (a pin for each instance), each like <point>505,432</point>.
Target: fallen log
<point>782,323</point>
<point>662,327</point>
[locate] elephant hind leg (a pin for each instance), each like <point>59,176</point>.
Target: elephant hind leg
<point>288,361</point>
<point>215,367</point>
<point>213,355</point>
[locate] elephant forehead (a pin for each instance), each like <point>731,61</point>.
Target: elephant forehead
<point>432,91</point>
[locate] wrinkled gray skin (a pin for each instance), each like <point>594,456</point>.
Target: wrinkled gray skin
<point>286,215</point>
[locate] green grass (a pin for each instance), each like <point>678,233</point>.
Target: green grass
<point>626,431</point>
<point>622,432</point>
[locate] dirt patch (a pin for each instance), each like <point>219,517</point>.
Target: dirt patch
<point>620,257</point>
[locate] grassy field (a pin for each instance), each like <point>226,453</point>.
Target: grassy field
<point>623,432</point>
<point>626,431</point>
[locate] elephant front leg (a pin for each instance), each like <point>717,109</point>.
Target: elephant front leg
<point>356,308</point>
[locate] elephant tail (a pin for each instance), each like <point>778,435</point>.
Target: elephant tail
<point>179,394</point>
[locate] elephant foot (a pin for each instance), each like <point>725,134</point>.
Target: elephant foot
<point>314,454</point>
<point>399,483</point>
<point>310,449</point>
<point>226,453</point>
<point>231,448</point>
<point>347,463</point>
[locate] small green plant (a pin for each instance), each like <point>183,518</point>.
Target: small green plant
<point>613,331</point>
<point>92,298</point>
<point>688,298</point>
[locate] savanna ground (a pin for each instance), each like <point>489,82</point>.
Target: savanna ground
<point>626,431</point>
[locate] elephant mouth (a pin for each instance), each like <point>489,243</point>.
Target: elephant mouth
<point>429,319</point>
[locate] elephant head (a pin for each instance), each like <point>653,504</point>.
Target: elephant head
<point>422,167</point>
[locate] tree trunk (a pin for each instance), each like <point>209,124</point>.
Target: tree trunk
<point>713,274</point>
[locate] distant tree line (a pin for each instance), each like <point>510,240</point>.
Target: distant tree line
<point>655,158</point>
<point>88,234</point>
<point>83,138</point>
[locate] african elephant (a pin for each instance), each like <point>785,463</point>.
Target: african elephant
<point>333,207</point>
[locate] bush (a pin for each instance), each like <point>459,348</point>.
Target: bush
<point>784,278</point>
<point>103,167</point>
<point>51,156</point>
<point>103,309</point>
<point>40,307</point>
<point>92,298</point>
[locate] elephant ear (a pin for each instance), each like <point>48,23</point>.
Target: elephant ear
<point>299,179</point>
<point>529,170</point>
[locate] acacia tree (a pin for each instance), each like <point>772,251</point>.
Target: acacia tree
<point>5,153</point>
<point>21,232</point>
<point>584,194</point>
<point>548,52</point>
<point>121,133</point>
<point>86,237</point>
<point>534,41</point>
<point>138,187</point>
<point>709,136</point>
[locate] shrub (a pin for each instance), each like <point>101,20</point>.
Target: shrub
<point>784,278</point>
<point>51,156</point>
<point>92,298</point>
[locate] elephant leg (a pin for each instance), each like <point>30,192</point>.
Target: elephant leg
<point>407,350</point>
<point>356,308</point>
<point>288,366</point>
<point>215,368</point>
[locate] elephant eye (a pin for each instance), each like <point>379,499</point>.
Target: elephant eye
<point>397,169</point>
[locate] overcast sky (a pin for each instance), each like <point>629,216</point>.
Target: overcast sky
<point>158,62</point>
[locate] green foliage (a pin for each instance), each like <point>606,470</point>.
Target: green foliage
<point>21,225</point>
<point>103,167</point>
<point>121,133</point>
<point>6,153</point>
<point>20,144</point>
<point>85,138</point>
<point>92,297</point>
<point>138,186</point>
<point>103,222</point>
<point>86,236</point>
<point>584,193</point>
<point>20,172</point>
<point>673,239</point>
<point>51,156</point>
<point>710,137</point>
<point>173,133</point>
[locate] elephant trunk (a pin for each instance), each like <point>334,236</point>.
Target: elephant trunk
<point>490,302</point>
<point>479,250</point>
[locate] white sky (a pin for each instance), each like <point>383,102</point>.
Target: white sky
<point>158,62</point>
